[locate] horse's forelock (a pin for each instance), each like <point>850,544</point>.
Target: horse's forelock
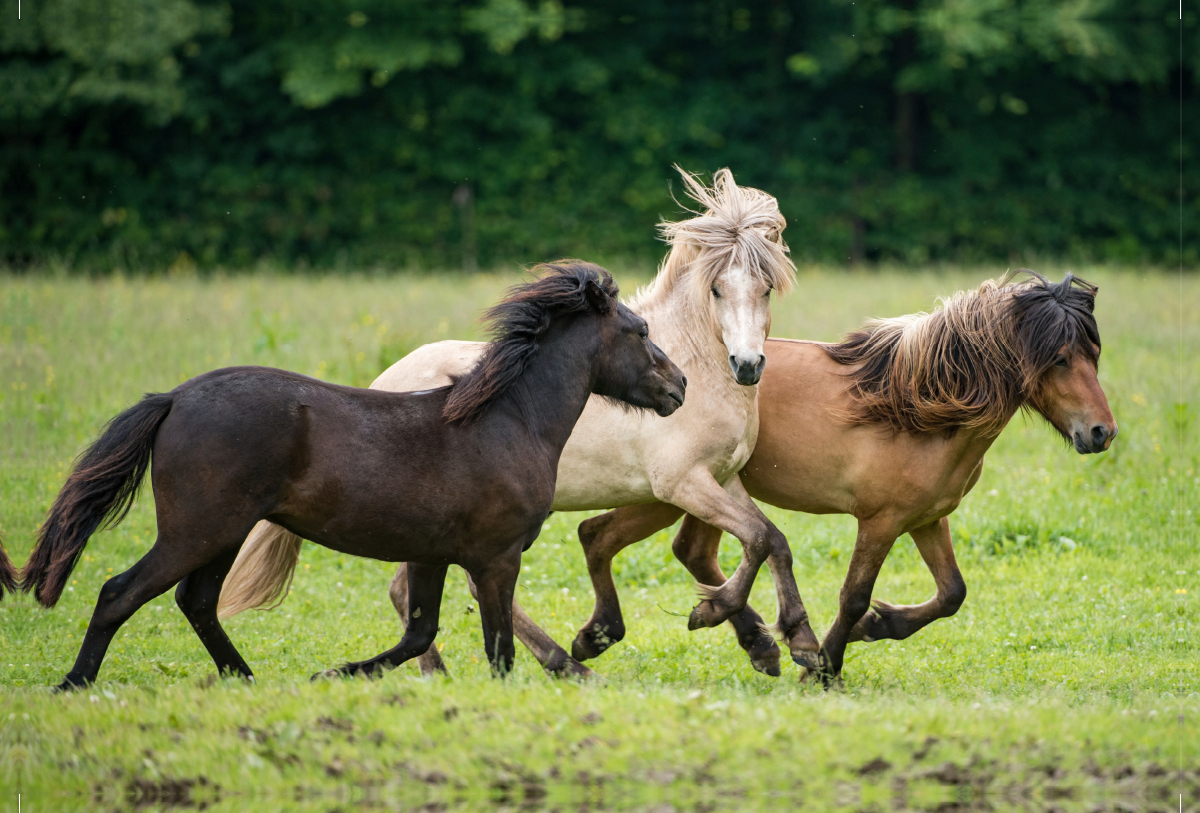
<point>1051,315</point>
<point>738,226</point>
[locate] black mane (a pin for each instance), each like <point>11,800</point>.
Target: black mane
<point>517,322</point>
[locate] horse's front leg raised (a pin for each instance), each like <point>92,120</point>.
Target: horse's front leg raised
<point>731,509</point>
<point>696,546</point>
<point>602,538</point>
<point>894,621</point>
<point>870,549</point>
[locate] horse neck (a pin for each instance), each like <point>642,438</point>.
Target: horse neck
<point>972,443</point>
<point>554,388</point>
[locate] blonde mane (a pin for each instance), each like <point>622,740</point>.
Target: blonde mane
<point>972,362</point>
<point>737,226</point>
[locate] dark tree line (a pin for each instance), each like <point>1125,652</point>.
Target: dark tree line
<point>137,133</point>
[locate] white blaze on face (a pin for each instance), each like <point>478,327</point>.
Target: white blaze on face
<point>742,304</point>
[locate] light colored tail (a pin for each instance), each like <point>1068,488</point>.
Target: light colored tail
<point>262,573</point>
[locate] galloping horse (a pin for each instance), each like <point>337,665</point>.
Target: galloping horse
<point>709,308</point>
<point>891,427</point>
<point>462,474</point>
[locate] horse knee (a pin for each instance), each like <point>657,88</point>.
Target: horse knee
<point>954,596</point>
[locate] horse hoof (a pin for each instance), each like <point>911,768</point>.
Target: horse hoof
<point>328,673</point>
<point>69,685</point>
<point>765,659</point>
<point>573,670</point>
<point>589,644</point>
<point>705,615</point>
<point>807,660</point>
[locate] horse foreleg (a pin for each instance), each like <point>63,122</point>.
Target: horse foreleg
<point>494,586</point>
<point>602,538</point>
<point>696,546</point>
<point>553,658</point>
<point>429,662</point>
<point>870,549</point>
<point>894,621</point>
<point>425,583</point>
<point>730,508</point>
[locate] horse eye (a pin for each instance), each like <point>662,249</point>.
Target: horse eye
<point>644,332</point>
<point>1061,361</point>
<point>715,292</point>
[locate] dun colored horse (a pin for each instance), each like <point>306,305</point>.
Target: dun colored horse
<point>458,475</point>
<point>891,426</point>
<point>710,310</point>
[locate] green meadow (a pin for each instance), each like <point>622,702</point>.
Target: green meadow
<point>1068,680</point>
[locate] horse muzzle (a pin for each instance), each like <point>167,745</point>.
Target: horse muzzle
<point>747,372</point>
<point>1097,440</point>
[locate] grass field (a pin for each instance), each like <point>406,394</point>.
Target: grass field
<point>1067,681</point>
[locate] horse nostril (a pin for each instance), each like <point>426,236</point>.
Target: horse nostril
<point>1099,435</point>
<point>683,378</point>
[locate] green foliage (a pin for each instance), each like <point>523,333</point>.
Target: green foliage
<point>139,134</point>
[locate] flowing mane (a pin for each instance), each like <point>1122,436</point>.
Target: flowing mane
<point>738,226</point>
<point>517,323</point>
<point>974,361</point>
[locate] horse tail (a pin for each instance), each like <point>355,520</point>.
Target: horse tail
<point>100,491</point>
<point>8,572</point>
<point>263,571</point>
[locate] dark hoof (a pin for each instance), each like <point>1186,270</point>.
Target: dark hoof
<point>569,669</point>
<point>807,660</point>
<point>764,657</point>
<point>592,641</point>
<point>350,670</point>
<point>70,684</point>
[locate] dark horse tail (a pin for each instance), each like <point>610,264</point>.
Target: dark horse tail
<point>8,573</point>
<point>99,491</point>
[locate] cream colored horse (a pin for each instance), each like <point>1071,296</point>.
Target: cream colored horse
<point>709,310</point>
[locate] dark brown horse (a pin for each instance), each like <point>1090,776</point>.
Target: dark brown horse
<point>458,475</point>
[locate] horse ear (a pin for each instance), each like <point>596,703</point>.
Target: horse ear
<point>596,296</point>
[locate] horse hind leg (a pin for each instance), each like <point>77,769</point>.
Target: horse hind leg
<point>197,596</point>
<point>425,585</point>
<point>870,550</point>
<point>602,538</point>
<point>696,547</point>
<point>897,622</point>
<point>553,658</point>
<point>122,595</point>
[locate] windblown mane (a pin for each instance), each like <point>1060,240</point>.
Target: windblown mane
<point>517,323</point>
<point>971,363</point>
<point>737,226</point>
